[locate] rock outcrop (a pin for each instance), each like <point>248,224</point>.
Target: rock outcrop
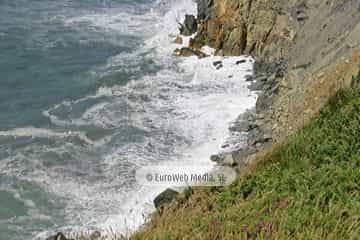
<point>189,26</point>
<point>164,198</point>
<point>306,51</point>
<point>188,52</point>
<point>236,27</point>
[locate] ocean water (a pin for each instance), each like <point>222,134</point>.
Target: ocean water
<point>90,92</point>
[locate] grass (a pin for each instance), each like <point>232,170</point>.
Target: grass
<point>308,188</point>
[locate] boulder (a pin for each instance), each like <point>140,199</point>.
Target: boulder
<point>165,197</point>
<point>58,236</point>
<point>217,63</point>
<point>240,61</point>
<point>189,26</point>
<point>215,158</point>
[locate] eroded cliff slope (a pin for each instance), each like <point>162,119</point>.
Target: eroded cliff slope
<point>316,43</point>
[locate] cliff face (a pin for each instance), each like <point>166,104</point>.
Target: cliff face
<point>236,27</point>
<point>316,43</point>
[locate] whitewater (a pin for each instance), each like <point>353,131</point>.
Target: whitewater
<point>75,170</point>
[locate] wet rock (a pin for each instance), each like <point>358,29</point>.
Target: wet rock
<point>219,66</point>
<point>217,63</point>
<point>189,26</point>
<point>58,236</point>
<point>240,61</point>
<point>225,145</point>
<point>215,158</point>
<point>165,197</point>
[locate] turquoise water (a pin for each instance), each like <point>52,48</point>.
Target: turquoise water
<point>90,92</point>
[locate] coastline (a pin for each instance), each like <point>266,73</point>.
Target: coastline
<point>241,69</point>
<point>294,84</point>
<point>281,76</point>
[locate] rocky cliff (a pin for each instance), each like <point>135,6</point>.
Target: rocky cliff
<point>308,50</point>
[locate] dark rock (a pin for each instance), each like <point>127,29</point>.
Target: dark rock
<point>58,236</point>
<point>225,145</point>
<point>240,61</point>
<point>217,63</point>
<point>219,66</point>
<point>215,158</point>
<point>189,26</point>
<point>165,197</point>
<point>249,78</point>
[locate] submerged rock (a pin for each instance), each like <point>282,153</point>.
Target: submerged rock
<point>165,197</point>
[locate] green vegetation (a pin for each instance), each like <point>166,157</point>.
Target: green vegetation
<point>308,188</point>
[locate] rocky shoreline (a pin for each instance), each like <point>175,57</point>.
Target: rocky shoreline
<point>290,73</point>
<point>304,50</point>
<point>276,33</point>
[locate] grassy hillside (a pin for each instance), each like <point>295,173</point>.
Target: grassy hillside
<point>308,188</point>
